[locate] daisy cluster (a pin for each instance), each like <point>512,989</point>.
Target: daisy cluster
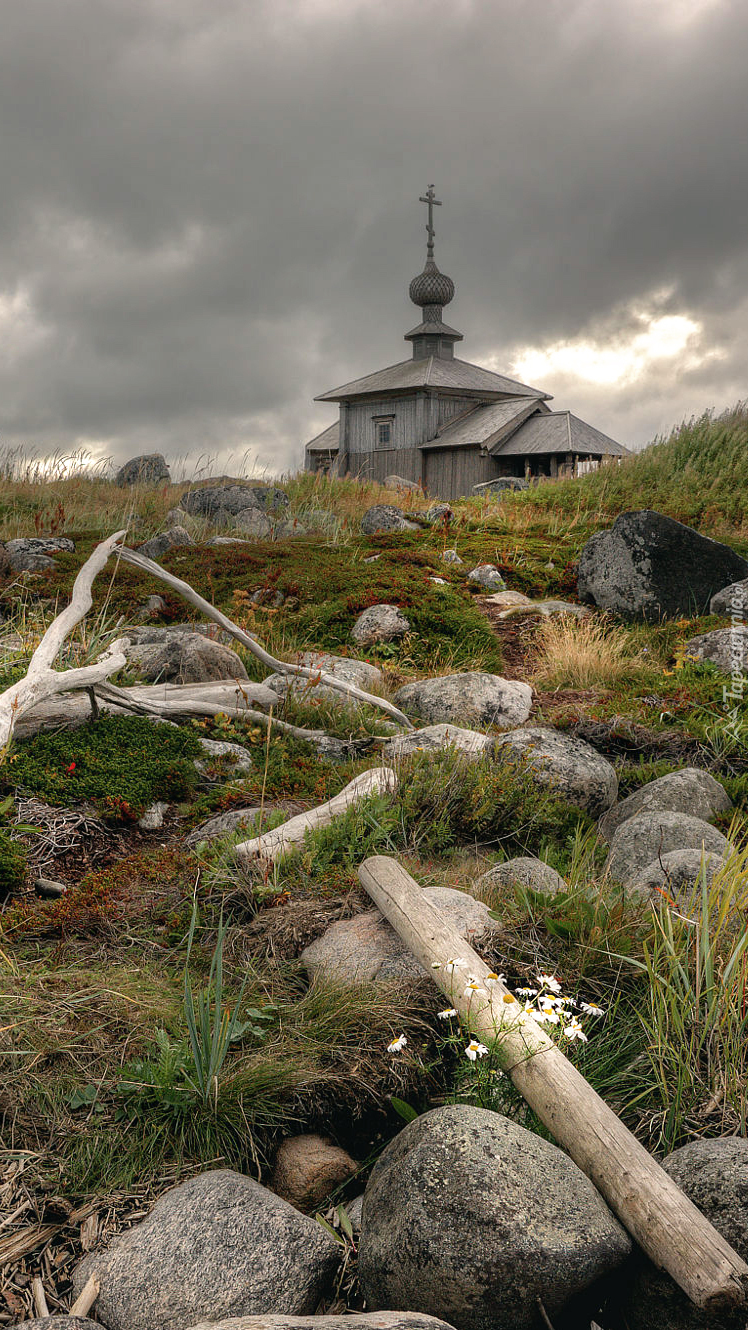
<point>544,1003</point>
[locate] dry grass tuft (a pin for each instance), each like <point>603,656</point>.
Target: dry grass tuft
<point>586,653</point>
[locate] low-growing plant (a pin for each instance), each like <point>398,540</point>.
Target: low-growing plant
<point>590,652</point>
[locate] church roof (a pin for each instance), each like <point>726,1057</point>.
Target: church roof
<point>431,372</point>
<point>487,425</point>
<point>559,432</point>
<point>327,441</point>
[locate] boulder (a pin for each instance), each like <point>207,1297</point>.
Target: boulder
<point>385,517</point>
<point>357,672</point>
<point>732,600</point>
<point>439,513</point>
<point>714,1175</point>
<point>31,554</point>
<point>435,737</point>
<point>648,566</point>
<point>675,874</point>
<point>223,503</point>
<point>400,483</point>
<point>5,565</point>
<point>166,540</point>
<point>380,623</point>
<point>569,768</point>
<point>153,817</point>
<point>500,484</point>
<point>252,522</point>
<point>181,657</point>
<point>473,697</point>
<point>727,648</point>
<point>365,949</point>
<point>308,1168</point>
<point>219,1245</point>
<point>487,576</point>
<point>353,1321</point>
<point>452,557</point>
<point>690,791</point>
<point>524,872</point>
<point>149,469</point>
<point>644,838</point>
<point>507,600</point>
<point>215,749</point>
<point>469,1216</point>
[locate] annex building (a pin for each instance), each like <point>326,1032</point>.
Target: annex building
<point>445,423</point>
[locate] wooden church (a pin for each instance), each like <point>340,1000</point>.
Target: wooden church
<point>444,423</point>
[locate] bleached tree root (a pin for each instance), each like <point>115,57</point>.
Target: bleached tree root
<point>41,680</point>
<point>272,845</point>
<point>250,642</point>
<point>665,1223</point>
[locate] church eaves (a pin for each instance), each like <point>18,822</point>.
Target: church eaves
<point>433,372</point>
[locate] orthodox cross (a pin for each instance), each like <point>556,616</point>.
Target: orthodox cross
<point>433,202</point>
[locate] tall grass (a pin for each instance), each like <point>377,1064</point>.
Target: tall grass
<point>592,652</point>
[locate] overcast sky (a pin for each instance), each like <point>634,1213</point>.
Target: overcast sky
<point>209,210</point>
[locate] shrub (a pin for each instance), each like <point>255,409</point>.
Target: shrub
<point>12,864</point>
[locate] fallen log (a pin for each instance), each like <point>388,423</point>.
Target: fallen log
<point>272,845</point>
<point>665,1223</point>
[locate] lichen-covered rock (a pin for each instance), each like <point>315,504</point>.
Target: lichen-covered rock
<point>380,623</point>
<point>524,872</point>
<point>238,820</point>
<point>651,567</point>
<point>252,522</point>
<point>644,838</point>
<point>219,1245</point>
<point>486,575</point>
<point>226,502</point>
<point>731,600</point>
<point>500,484</point>
<point>439,514</point>
<point>714,1175</point>
<point>214,749</point>
<point>166,540</point>
<point>690,791</point>
<point>182,657</point>
<point>452,557</point>
<point>570,768</point>
<point>357,672</point>
<point>365,949</point>
<point>675,874</point>
<point>727,648</point>
<point>435,737</point>
<point>385,517</point>
<point>308,1168</point>
<point>473,697</point>
<point>400,483</point>
<point>32,554</point>
<point>148,469</point>
<point>470,1217</point>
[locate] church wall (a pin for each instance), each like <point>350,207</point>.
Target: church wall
<point>361,425</point>
<point>451,473</point>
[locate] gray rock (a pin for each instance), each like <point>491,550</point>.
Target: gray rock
<point>569,768</point>
<point>714,1175</point>
<point>473,697</point>
<point>549,607</point>
<point>524,872</point>
<point>435,737</point>
<point>227,540</point>
<point>149,469</point>
<point>452,557</point>
<point>365,949</point>
<point>59,1323</point>
<point>241,760</point>
<point>439,512</point>
<point>31,554</point>
<point>182,657</point>
<point>644,838</point>
<point>151,607</point>
<point>727,648</point>
<point>400,483</point>
<point>251,522</point>
<point>469,1216</point>
<point>49,888</point>
<point>487,576</point>
<point>380,623</point>
<point>357,672</point>
<point>353,1320</point>
<point>153,817</point>
<point>652,567</point>
<point>219,1245</point>
<point>237,819</point>
<point>177,517</point>
<point>233,499</point>
<point>675,874</point>
<point>731,600</point>
<point>309,1167</point>
<point>166,540</point>
<point>439,581</point>
<point>385,517</point>
<point>690,791</point>
<point>500,484</point>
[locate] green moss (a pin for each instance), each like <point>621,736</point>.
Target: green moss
<point>121,764</point>
<point>12,864</point>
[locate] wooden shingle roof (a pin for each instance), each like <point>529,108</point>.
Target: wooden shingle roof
<point>327,441</point>
<point>559,432</point>
<point>409,375</point>
<point>487,425</point>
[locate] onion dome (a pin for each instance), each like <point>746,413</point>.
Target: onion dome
<point>431,287</point>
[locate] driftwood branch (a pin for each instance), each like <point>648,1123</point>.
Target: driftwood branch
<point>247,640</point>
<point>665,1223</point>
<point>41,680</point>
<point>272,845</point>
<point>86,1298</point>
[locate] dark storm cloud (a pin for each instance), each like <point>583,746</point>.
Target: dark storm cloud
<point>209,210</point>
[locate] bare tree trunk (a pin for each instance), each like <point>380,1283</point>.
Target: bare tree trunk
<point>272,845</point>
<point>665,1223</point>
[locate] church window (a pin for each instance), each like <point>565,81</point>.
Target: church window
<point>383,431</point>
